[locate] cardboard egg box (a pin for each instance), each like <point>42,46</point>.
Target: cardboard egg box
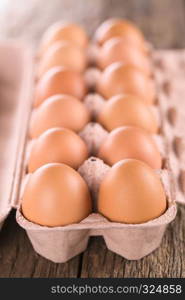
<point>169,68</point>
<point>16,86</point>
<point>59,244</point>
<point>67,241</point>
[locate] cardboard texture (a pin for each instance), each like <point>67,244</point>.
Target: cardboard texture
<point>59,244</point>
<point>15,100</point>
<point>169,76</point>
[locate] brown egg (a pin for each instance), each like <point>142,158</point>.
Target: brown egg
<point>130,142</point>
<point>57,145</point>
<point>126,110</point>
<point>120,28</point>
<point>59,111</point>
<point>116,50</point>
<point>61,31</point>
<point>60,80</point>
<point>56,195</point>
<point>62,54</point>
<point>132,193</point>
<point>126,79</point>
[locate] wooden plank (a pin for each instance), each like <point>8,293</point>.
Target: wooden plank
<point>163,24</point>
<point>18,259</point>
<point>161,21</point>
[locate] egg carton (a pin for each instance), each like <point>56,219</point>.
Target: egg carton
<point>59,244</point>
<point>169,76</point>
<point>16,85</point>
<point>68,241</point>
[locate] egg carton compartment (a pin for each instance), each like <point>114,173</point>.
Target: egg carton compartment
<point>59,244</point>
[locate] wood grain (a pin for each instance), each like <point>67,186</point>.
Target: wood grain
<point>163,23</point>
<point>18,259</point>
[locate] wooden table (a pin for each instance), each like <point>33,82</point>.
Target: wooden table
<point>163,23</point>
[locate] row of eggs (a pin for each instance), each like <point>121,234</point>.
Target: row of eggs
<point>129,121</point>
<point>131,192</point>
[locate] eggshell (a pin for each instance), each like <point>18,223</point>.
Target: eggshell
<point>62,54</point>
<point>59,111</point>
<point>130,142</point>
<point>116,50</point>
<point>59,80</point>
<point>131,192</point>
<point>56,195</point>
<point>126,110</point>
<point>120,28</point>
<point>63,31</point>
<point>118,78</point>
<point>57,145</point>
